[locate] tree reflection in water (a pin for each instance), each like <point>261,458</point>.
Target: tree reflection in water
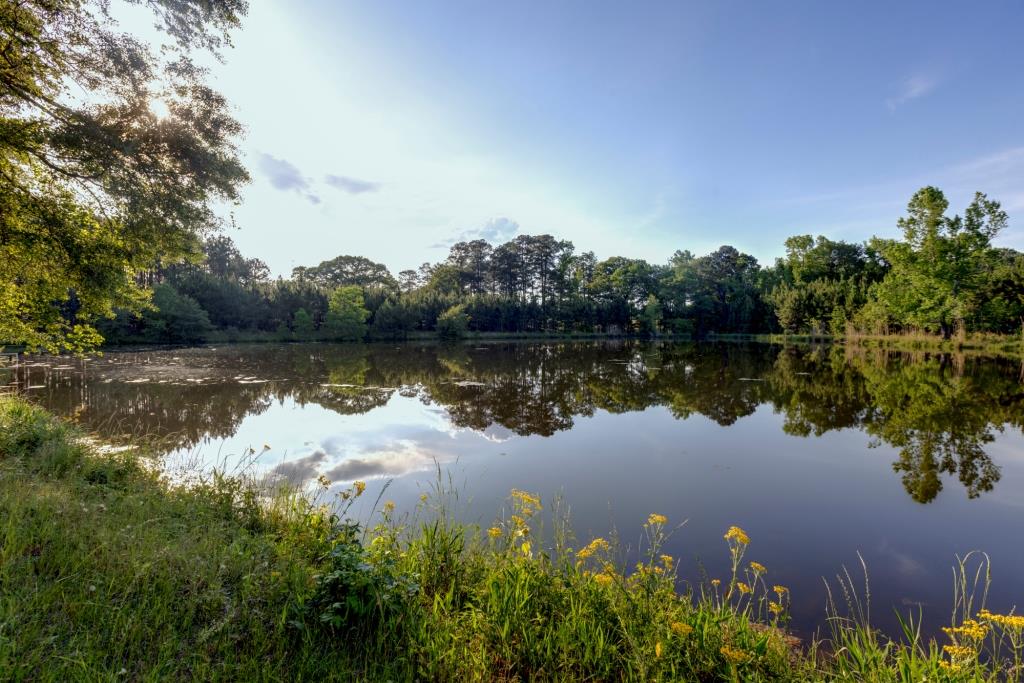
<point>939,410</point>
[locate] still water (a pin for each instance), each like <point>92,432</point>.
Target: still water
<point>819,453</point>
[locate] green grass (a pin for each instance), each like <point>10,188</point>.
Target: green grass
<point>108,572</point>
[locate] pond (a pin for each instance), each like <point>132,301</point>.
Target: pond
<point>818,453</point>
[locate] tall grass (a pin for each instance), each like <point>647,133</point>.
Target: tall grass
<point>108,572</point>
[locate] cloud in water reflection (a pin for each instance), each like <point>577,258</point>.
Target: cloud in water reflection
<point>387,410</point>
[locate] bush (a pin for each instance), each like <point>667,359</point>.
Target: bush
<point>176,318</point>
<point>302,324</point>
<point>347,314</point>
<point>453,323</point>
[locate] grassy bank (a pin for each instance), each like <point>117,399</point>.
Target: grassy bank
<point>108,572</point>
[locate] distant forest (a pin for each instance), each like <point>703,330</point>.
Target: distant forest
<point>942,277</point>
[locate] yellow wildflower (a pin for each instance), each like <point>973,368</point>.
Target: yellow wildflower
<point>655,518</point>
<point>716,582</point>
<point>323,481</point>
<point>494,532</point>
<point>774,607</point>
<point>603,579</point>
<point>519,526</point>
<point>950,666</point>
<point>1010,621</point>
<point>389,506</point>
<point>657,649</point>
<point>667,561</point>
<point>359,486</point>
<point>781,590</point>
<point>592,547</point>
<point>959,651</point>
<point>970,629</point>
<point>525,547</point>
<point>742,587</point>
<point>526,500</point>
<point>758,568</point>
<point>681,629</point>
<point>423,498</point>
<point>737,534</point>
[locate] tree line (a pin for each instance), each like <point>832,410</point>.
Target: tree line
<point>105,202</point>
<point>942,277</point>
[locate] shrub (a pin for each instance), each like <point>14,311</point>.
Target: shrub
<point>453,323</point>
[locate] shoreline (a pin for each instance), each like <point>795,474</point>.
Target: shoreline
<point>142,578</point>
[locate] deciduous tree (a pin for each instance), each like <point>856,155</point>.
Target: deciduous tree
<point>95,185</point>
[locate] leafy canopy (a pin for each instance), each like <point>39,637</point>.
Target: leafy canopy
<point>940,268</point>
<point>95,186</point>
<point>347,314</point>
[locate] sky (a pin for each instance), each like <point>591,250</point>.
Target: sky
<point>393,129</point>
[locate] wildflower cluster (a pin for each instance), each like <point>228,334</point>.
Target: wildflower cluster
<point>738,541</point>
<point>746,591</point>
<point>777,607</point>
<point>737,535</point>
<point>598,550</point>
<point>657,520</point>
<point>353,492</point>
<point>516,530</point>
<point>959,653</point>
<point>1013,622</point>
<point>595,546</point>
<point>527,502</point>
<point>970,630</point>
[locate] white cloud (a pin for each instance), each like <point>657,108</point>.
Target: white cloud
<point>495,231</point>
<point>351,185</point>
<point>913,88</point>
<point>284,175</point>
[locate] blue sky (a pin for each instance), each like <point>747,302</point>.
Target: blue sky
<point>390,129</point>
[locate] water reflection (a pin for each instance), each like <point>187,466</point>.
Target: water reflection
<point>939,411</point>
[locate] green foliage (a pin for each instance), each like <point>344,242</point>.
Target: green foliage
<point>139,580</point>
<point>100,558</point>
<point>650,319</point>
<point>175,318</point>
<point>94,190</point>
<point>940,268</point>
<point>393,320</point>
<point>453,323</point>
<point>537,285</point>
<point>344,271</point>
<point>302,324</point>
<point>821,284</point>
<point>347,314</point>
<point>718,292</point>
<point>358,593</point>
